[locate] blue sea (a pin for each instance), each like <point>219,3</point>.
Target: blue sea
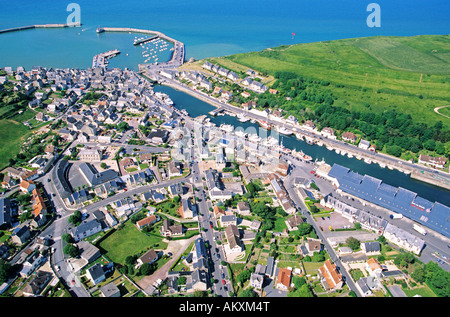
<point>208,28</point>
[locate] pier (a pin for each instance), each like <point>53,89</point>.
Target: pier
<point>39,26</point>
<point>143,41</point>
<point>101,60</point>
<point>215,112</point>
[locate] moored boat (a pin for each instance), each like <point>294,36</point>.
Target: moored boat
<point>283,130</point>
<point>266,125</point>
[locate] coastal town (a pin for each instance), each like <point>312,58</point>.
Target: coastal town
<point>121,193</point>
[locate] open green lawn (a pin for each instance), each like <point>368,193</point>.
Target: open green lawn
<point>13,134</point>
<point>409,74</point>
<point>129,241</point>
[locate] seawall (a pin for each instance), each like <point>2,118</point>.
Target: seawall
<point>39,26</point>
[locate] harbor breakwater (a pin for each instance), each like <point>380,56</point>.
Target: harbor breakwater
<point>39,26</point>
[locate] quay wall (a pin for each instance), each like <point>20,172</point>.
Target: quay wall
<point>430,179</point>
<point>39,26</point>
<point>133,30</point>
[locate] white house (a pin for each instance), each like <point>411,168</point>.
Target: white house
<point>364,144</point>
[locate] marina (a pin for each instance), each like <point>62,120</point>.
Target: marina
<point>178,54</point>
<point>144,40</point>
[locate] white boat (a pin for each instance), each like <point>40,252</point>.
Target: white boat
<point>382,164</point>
<point>368,161</point>
<point>343,152</point>
<point>350,155</point>
<point>284,149</point>
<point>283,130</point>
<point>305,157</point>
<point>168,101</point>
<point>242,117</point>
<point>227,127</point>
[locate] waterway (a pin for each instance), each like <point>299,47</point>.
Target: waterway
<point>196,107</point>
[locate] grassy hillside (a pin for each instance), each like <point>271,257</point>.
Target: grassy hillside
<point>408,74</point>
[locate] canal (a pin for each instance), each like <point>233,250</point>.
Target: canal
<point>196,107</point>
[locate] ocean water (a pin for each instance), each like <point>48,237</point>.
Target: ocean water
<point>208,28</point>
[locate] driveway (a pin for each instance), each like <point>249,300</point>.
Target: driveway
<point>177,248</point>
<point>396,291</point>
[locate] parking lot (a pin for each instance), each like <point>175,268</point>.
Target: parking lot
<point>333,220</point>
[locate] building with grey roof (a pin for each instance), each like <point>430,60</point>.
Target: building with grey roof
<point>78,197</point>
<point>88,251</point>
<point>96,273</point>
<point>60,182</point>
<point>403,239</point>
<point>400,200</point>
<point>86,229</point>
<point>36,284</point>
<point>110,290</point>
<point>5,212</point>
<point>94,178</point>
<point>371,247</point>
<point>199,280</point>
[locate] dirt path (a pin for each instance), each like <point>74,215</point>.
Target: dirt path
<point>177,247</point>
<point>437,111</point>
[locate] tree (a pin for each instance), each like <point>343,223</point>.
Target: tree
<point>304,228</point>
<point>198,293</point>
<point>123,126</point>
<point>103,165</point>
<point>5,271</point>
<point>302,291</point>
<point>146,269</point>
<point>248,292</point>
<point>75,218</point>
<point>243,276</point>
<point>353,243</point>
<point>419,274</point>
<point>67,238</point>
<point>71,250</point>
<point>438,279</point>
<point>394,150</point>
<point>429,145</point>
<point>130,260</point>
<point>404,259</point>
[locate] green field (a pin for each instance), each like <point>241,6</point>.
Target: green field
<point>408,74</point>
<point>129,241</point>
<point>13,134</point>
